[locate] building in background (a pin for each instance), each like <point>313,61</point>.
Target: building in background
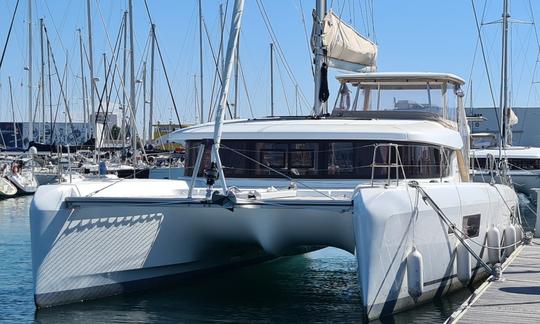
<point>525,133</point>
<point>61,133</point>
<point>160,139</point>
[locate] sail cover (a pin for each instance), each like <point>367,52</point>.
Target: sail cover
<point>345,48</point>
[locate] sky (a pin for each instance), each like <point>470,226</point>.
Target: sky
<point>413,35</point>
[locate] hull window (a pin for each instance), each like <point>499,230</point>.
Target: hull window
<point>471,225</point>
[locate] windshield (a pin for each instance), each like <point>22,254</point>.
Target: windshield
<point>438,97</point>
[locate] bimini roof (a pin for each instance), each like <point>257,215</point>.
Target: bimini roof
<point>420,131</point>
<point>400,77</point>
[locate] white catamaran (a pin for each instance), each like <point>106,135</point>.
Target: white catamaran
<point>384,176</point>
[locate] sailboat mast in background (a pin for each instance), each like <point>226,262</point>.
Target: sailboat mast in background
<point>505,110</point>
<point>29,68</point>
<point>92,79</point>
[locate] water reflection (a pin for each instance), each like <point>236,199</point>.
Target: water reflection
<point>320,286</point>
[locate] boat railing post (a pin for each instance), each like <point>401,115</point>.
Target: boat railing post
<point>69,163</point>
<point>389,166</point>
<point>196,170</point>
<point>373,163</point>
<point>398,160</point>
<point>537,224</point>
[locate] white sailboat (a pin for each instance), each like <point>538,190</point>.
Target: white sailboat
<point>22,178</point>
<point>7,189</point>
<point>521,163</point>
<point>384,176</point>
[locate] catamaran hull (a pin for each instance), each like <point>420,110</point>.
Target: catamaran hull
<point>91,247</point>
<point>388,229</point>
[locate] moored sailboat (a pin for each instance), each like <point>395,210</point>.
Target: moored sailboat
<point>7,189</point>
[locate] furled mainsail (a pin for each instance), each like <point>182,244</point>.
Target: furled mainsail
<point>346,49</point>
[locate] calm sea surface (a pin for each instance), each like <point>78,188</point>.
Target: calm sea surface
<point>316,287</point>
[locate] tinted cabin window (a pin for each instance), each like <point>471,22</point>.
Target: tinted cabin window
<point>526,164</point>
<point>514,164</point>
<point>322,159</point>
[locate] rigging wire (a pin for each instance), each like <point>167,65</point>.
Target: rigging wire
<point>9,34</point>
<point>108,39</point>
<point>538,52</point>
<point>245,88</point>
<point>104,94</point>
<point>217,76</point>
<point>308,44</point>
<point>283,89</point>
<point>61,83</point>
<point>478,29</point>
<point>163,65</point>
<point>279,51</point>
<point>372,15</point>
<point>474,56</point>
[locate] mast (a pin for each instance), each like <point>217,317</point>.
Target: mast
<point>42,80</point>
<point>505,109</point>
<point>132,82</point>
<point>103,137</point>
<point>236,67</point>
<point>51,124</point>
<point>144,102</point>
<point>151,112</point>
<point>272,79</point>
<point>12,111</point>
<point>231,49</point>
<point>222,45</point>
<point>124,97</point>
<point>92,80</point>
<point>30,119</point>
<point>201,115</point>
<point>320,9</point>
<point>85,108</point>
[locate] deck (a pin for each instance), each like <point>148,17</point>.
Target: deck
<point>515,299</point>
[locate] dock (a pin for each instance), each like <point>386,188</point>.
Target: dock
<point>514,299</point>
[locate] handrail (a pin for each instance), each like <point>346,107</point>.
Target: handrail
<point>397,165</point>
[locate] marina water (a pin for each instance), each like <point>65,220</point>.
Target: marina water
<point>315,287</point>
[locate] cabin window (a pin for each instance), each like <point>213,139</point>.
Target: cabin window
<point>344,159</point>
<point>471,225</point>
<point>513,164</point>
<point>524,164</point>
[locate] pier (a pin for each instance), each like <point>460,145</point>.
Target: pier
<point>514,299</point>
